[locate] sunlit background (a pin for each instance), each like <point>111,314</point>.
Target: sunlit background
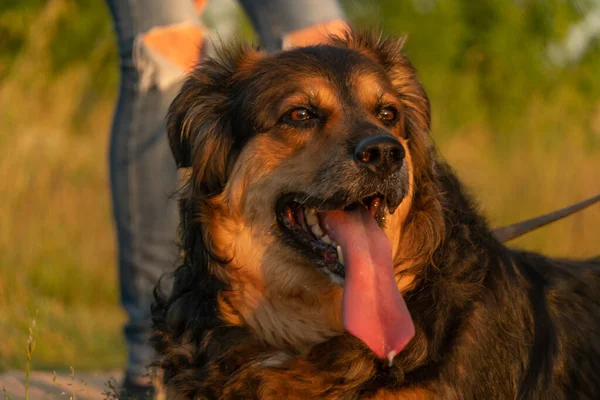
<point>515,91</point>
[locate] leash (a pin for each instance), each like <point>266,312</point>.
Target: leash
<point>513,231</point>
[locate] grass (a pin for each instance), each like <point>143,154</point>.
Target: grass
<point>57,251</point>
<point>56,240</point>
<point>74,386</point>
<point>30,349</point>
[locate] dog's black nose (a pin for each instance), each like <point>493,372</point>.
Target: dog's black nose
<point>382,154</point>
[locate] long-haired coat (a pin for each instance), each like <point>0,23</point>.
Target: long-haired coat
<point>328,251</point>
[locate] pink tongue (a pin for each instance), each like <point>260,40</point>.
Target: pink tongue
<point>373,309</point>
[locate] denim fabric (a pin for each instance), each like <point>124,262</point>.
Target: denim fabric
<point>272,19</point>
<point>143,174</point>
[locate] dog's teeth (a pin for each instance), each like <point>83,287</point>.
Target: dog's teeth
<point>311,216</point>
<point>340,254</point>
<point>326,239</point>
<point>316,229</point>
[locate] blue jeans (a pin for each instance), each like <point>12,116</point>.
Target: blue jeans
<point>143,174</point>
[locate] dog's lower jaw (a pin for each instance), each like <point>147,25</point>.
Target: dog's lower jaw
<point>281,321</point>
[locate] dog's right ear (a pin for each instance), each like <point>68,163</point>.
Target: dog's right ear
<point>199,120</point>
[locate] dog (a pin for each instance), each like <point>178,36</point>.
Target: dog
<point>328,251</point>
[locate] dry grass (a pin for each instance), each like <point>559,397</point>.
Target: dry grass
<point>530,180</point>
<point>56,240</point>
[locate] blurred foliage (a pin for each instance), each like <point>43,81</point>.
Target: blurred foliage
<point>77,35</point>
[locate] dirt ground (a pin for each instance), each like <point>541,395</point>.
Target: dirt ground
<point>43,386</point>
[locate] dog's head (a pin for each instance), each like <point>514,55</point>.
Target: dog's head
<point>303,169</point>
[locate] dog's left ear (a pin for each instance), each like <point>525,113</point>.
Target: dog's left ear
<point>199,120</point>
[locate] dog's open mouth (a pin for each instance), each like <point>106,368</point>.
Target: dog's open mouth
<point>304,227</point>
<point>349,244</point>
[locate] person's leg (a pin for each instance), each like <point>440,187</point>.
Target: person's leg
<point>157,40</point>
<point>288,23</point>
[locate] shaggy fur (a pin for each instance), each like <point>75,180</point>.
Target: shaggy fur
<point>250,316</point>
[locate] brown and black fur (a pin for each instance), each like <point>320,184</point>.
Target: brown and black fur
<point>241,322</point>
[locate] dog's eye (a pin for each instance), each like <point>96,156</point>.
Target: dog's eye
<point>299,114</point>
<point>387,114</point>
